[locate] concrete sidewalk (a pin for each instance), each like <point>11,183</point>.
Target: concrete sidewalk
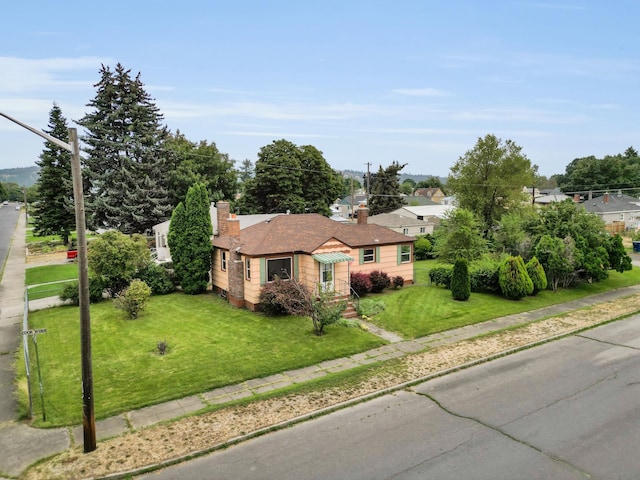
<point>22,445</point>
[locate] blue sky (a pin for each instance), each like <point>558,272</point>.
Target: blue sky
<point>364,81</point>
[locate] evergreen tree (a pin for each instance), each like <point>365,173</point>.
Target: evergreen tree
<point>460,280</point>
<point>189,239</point>
<point>54,212</point>
<point>322,185</point>
<point>537,275</point>
<point>385,192</point>
<point>125,168</point>
<point>514,280</point>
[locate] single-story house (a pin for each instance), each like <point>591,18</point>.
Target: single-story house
<point>313,249</point>
<point>620,212</point>
<point>161,231</point>
<point>424,212</point>
<point>403,224</point>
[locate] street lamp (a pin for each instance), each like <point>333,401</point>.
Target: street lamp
<point>88,414</point>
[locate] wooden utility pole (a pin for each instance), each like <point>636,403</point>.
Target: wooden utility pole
<point>88,413</point>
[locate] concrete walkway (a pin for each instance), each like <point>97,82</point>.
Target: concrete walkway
<point>22,445</point>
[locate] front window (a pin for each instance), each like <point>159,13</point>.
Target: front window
<point>368,255</point>
<point>405,253</point>
<point>280,267</point>
<point>223,261</point>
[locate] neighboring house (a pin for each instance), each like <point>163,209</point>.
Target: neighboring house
<point>620,212</point>
<point>402,224</point>
<point>424,212</point>
<point>349,205</point>
<point>161,231</point>
<point>551,198</point>
<point>434,194</point>
<point>313,249</point>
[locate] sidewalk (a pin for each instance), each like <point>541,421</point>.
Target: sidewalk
<point>22,445</point>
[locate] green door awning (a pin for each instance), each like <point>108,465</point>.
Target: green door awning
<point>333,257</point>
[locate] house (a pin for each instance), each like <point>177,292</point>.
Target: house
<point>313,249</point>
<point>348,206</point>
<point>424,212</point>
<point>403,224</point>
<point>434,194</point>
<point>620,212</point>
<point>161,231</point>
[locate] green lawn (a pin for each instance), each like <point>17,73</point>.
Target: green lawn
<point>211,344</point>
<point>419,310</point>
<point>48,290</point>
<point>51,273</point>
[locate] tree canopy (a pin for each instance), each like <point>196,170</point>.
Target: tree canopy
<point>125,168</point>
<point>290,178</point>
<point>489,179</point>
<point>200,162</point>
<point>54,213</point>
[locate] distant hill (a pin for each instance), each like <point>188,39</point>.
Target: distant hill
<point>25,177</point>
<point>402,177</point>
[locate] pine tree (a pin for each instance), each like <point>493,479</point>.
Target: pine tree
<point>189,240</point>
<point>514,280</point>
<point>460,281</point>
<point>385,190</point>
<point>54,213</point>
<point>125,170</point>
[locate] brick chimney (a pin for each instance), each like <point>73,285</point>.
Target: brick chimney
<point>576,198</point>
<point>605,197</point>
<point>232,225</point>
<point>363,214</point>
<point>222,215</point>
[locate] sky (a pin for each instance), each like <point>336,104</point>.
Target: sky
<point>365,82</point>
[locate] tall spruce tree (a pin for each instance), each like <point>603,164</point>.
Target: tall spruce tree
<point>54,212</point>
<point>189,240</point>
<point>385,190</point>
<point>125,168</point>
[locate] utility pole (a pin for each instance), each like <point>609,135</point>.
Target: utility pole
<point>88,415</point>
<point>368,183</point>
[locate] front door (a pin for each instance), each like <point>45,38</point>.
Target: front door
<point>326,276</point>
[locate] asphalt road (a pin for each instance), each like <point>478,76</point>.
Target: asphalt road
<point>8,221</point>
<point>569,409</point>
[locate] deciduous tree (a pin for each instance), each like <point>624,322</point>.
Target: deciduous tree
<point>489,179</point>
<point>459,236</point>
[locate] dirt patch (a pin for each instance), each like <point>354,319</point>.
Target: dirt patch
<point>162,443</point>
<point>47,258</point>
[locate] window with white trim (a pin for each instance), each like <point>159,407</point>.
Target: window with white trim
<point>247,268</point>
<point>405,253</point>
<point>223,261</point>
<point>422,229</point>
<point>368,255</point>
<point>405,231</point>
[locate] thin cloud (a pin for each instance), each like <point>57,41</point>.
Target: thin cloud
<point>421,92</point>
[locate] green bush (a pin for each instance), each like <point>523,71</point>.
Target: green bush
<point>484,276</point>
<point>71,291</point>
<point>158,278</point>
<point>537,275</point>
<point>441,276</point>
<point>423,248</point>
<point>460,281</point>
<point>514,279</point>
<point>134,298</point>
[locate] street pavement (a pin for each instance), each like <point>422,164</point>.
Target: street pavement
<point>22,445</point>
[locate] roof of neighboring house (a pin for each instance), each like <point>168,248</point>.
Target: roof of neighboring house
<point>551,198</point>
<point>245,220</point>
<point>428,192</point>
<point>393,220</point>
<point>306,233</point>
<point>612,203</point>
<point>357,199</point>
<point>437,210</point>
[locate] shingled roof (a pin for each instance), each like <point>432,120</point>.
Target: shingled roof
<point>305,233</point>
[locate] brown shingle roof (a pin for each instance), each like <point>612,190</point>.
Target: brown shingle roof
<point>307,232</point>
